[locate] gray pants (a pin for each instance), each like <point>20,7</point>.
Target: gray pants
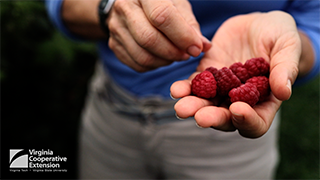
<point>122,137</point>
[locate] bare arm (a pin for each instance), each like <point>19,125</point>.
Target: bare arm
<point>81,17</point>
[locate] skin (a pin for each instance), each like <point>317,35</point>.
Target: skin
<point>146,35</point>
<point>237,40</point>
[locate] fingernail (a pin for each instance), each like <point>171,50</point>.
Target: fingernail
<point>198,126</point>
<point>172,97</point>
<point>205,40</point>
<point>238,118</point>
<point>194,50</point>
<point>289,85</point>
<point>180,117</point>
<point>206,44</point>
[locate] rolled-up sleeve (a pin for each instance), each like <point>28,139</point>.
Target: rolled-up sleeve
<point>54,12</point>
<point>307,17</point>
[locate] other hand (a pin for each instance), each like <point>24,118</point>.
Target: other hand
<point>147,34</point>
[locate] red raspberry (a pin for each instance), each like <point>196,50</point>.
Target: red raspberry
<point>226,80</point>
<point>246,92</point>
<point>204,85</point>
<point>262,84</point>
<point>241,72</point>
<point>213,70</point>
<point>257,67</point>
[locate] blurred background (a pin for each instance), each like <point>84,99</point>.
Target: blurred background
<point>44,80</point>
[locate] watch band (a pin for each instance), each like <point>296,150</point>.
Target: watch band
<point>103,10</point>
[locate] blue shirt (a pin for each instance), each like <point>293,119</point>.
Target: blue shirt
<point>210,15</point>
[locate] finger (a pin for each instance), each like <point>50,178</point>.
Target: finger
<point>206,44</point>
<point>140,59</point>
<point>189,105</point>
<point>254,123</point>
<point>167,18</point>
<point>123,55</point>
<point>284,66</point>
<point>133,60</point>
<point>185,9</point>
<point>247,121</point>
<point>145,34</point>
<point>215,117</point>
<point>281,82</point>
<point>182,88</point>
<point>282,77</point>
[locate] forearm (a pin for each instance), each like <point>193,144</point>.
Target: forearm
<point>81,17</point>
<point>307,57</point>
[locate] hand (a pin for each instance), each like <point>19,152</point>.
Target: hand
<point>274,37</point>
<point>149,34</point>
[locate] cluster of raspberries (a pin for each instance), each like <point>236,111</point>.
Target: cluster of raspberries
<point>247,82</point>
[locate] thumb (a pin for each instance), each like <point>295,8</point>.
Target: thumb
<point>282,75</point>
<point>185,9</point>
<point>284,68</point>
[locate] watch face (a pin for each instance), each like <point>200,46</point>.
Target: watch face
<point>103,4</point>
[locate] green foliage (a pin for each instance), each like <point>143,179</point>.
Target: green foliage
<point>44,79</point>
<point>24,25</point>
<point>27,33</point>
<point>299,135</point>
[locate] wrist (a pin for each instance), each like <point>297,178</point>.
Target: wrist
<point>103,12</point>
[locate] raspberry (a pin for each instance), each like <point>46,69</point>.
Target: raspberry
<point>257,67</point>
<point>241,72</point>
<point>213,70</point>
<point>246,92</point>
<point>226,80</point>
<point>262,84</point>
<point>204,85</point>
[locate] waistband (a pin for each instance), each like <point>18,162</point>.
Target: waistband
<point>153,109</point>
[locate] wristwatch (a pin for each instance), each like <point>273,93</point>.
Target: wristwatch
<point>103,10</point>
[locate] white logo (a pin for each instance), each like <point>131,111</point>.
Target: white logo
<point>33,160</point>
<point>18,158</point>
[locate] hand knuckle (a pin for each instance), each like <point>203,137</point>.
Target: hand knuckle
<point>147,38</point>
<point>119,4</point>
<point>146,61</point>
<point>160,14</point>
<point>172,55</point>
<point>111,44</point>
<point>112,25</point>
<point>141,69</point>
<point>123,8</point>
<point>295,71</point>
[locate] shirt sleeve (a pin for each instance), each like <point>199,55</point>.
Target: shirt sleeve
<point>54,12</point>
<point>307,17</point>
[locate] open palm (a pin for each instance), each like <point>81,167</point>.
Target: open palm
<point>274,37</point>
